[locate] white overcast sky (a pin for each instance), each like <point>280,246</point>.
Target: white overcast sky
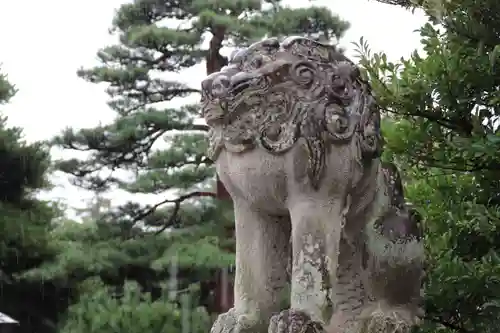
<point>45,42</point>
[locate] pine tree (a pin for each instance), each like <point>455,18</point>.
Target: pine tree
<point>442,127</point>
<point>25,225</point>
<point>104,310</point>
<point>157,39</point>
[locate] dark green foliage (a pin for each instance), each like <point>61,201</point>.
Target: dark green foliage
<point>115,253</point>
<point>25,225</point>
<point>442,128</point>
<point>104,309</point>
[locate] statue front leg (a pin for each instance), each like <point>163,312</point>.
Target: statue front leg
<point>350,295</point>
<point>262,250</point>
<point>316,229</point>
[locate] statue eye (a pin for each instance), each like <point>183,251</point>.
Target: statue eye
<point>219,86</point>
<point>338,84</point>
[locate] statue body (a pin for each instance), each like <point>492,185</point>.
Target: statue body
<point>295,136</point>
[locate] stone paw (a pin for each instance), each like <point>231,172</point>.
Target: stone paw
<point>384,319</point>
<point>233,322</point>
<point>294,321</point>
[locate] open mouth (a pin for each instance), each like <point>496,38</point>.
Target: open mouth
<point>240,87</point>
<point>240,82</point>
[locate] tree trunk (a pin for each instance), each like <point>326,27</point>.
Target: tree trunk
<point>215,61</point>
<point>224,293</point>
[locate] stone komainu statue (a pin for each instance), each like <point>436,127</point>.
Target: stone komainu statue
<point>295,136</point>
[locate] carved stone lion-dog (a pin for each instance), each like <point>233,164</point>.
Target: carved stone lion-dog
<point>295,137</point>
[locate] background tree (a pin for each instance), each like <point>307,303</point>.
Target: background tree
<point>25,225</point>
<point>442,127</point>
<point>102,309</point>
<point>160,148</point>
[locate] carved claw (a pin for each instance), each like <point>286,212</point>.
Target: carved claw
<point>225,323</point>
<point>232,322</point>
<point>380,318</point>
<point>294,321</point>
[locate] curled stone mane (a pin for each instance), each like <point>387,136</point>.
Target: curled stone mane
<point>273,93</point>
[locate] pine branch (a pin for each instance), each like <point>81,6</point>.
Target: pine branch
<point>177,205</point>
<point>200,127</point>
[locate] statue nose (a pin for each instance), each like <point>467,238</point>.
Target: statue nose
<point>241,81</point>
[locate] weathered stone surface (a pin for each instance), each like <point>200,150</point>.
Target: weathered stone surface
<point>290,321</point>
<point>295,136</point>
<point>272,94</point>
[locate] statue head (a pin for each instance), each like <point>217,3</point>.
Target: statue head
<point>272,93</point>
